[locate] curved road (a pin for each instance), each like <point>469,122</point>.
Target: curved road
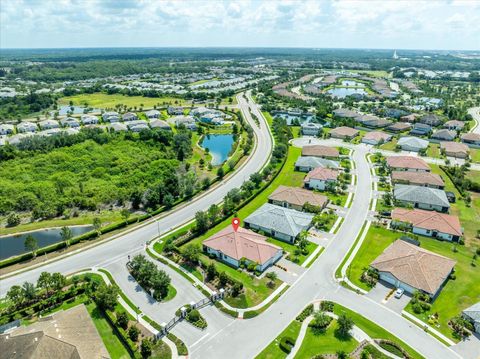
<point>118,249</point>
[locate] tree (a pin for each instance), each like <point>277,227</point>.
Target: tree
<point>201,221</point>
<point>125,213</point>
<point>29,291</point>
<point>320,320</point>
<point>160,281</point>
<point>133,333</point>
<point>302,240</point>
<point>220,172</point>
<point>256,178</point>
<point>44,281</point>
<point>146,348</point>
<point>15,295</point>
<point>13,220</point>
<point>58,281</point>
<point>97,224</point>
<point>122,320</point>
<point>31,245</point>
<point>106,296</point>
<point>192,253</point>
<point>211,271</point>
<point>213,212</point>
<point>66,234</point>
<point>345,324</point>
<point>223,279</point>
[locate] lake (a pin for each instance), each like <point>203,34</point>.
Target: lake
<point>14,244</point>
<point>351,83</point>
<point>219,147</point>
<point>290,117</point>
<point>77,110</point>
<point>342,92</point>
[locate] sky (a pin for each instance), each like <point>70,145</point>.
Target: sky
<point>390,24</point>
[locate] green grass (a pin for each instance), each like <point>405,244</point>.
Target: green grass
<point>389,146</point>
<point>123,295</point>
<point>474,176</point>
<point>475,155</point>
<point>161,351</point>
<point>172,292</point>
<point>114,345</point>
<point>290,248</point>
<point>433,150</point>
<point>103,100</point>
<point>336,198</point>
<point>273,351</point>
<point>325,342</point>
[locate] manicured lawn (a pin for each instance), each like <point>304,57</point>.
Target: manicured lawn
<point>336,198</point>
<point>377,239</point>
<point>327,342</point>
<point>433,150</point>
<point>390,146</point>
<point>475,155</point>
<point>161,351</point>
<point>290,248</point>
<point>114,345</point>
<point>273,351</point>
<point>172,292</point>
<point>474,176</point>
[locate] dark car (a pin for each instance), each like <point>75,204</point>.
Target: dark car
<point>451,197</point>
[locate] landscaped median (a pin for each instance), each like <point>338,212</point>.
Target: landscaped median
<point>332,329</point>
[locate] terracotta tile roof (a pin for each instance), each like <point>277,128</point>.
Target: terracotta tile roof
<point>322,174</point>
<point>414,266</point>
<point>471,136</point>
<point>298,196</point>
<point>377,136</point>
<point>420,178</point>
<point>454,147</point>
<point>320,151</point>
<point>435,221</point>
<point>344,131</point>
<point>400,126</point>
<point>243,243</point>
<point>409,118</point>
<point>409,162</point>
<point>454,123</point>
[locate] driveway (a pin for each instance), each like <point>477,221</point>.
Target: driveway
<point>380,292</point>
<point>469,348</point>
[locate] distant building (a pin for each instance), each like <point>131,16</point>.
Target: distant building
<point>311,128</point>
<point>48,124</point>
<point>427,179</point>
<point>454,125</point>
<point>117,126</point>
<point>399,127</point>
<point>320,178</point>
<point>296,198</point>
<point>412,144</point>
<point>174,110</point>
<point>187,121</point>
<point>345,113</point>
<point>160,124</point>
<point>431,120</point>
<point>129,116</point>
<point>89,119</point>
<point>376,137</point>
<point>421,129</point>
<point>111,117</point>
<point>422,197</point>
<point>6,129</point>
<point>320,151</point>
<point>70,122</point>
<point>344,132</point>
<point>308,163</point>
<point>471,138</point>
<point>407,163</point>
<point>454,149</point>
<point>152,114</point>
<point>444,135</point>
<point>26,127</point>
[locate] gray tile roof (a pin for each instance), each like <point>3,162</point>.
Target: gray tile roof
<point>310,161</point>
<point>282,220</point>
<point>418,194</point>
<point>473,312</point>
<point>413,142</point>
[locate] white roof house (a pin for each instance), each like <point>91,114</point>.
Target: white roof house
<point>111,116</point>
<point>70,122</point>
<point>6,129</point>
<point>152,114</point>
<point>412,143</point>
<point>137,125</point>
<point>311,129</point>
<point>26,127</point>
<point>160,124</point>
<point>129,116</point>
<point>48,124</point>
<point>187,121</point>
<point>116,126</point>
<point>89,119</point>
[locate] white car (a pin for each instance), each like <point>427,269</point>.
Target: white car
<point>399,292</point>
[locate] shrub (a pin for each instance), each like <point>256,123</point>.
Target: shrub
<point>193,315</point>
<point>133,333</point>
<point>285,344</point>
<point>307,311</point>
<point>122,320</point>
<point>320,321</point>
<point>327,306</point>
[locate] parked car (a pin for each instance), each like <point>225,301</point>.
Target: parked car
<point>399,292</point>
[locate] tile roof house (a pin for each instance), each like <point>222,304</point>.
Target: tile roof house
<point>454,149</point>
<point>89,119</point>
<point>151,114</point>
<point>48,124</point>
<point>422,197</point>
<point>407,266</point>
<point>137,125</point>
<point>6,129</point>
<point>376,137</point>
<point>160,124</point>
<point>431,119</point>
<point>414,144</point>
<point>129,116</point>
<point>174,110</point>
<point>320,151</point>
<point>234,247</point>
<point>296,198</point>
<point>344,132</point>
<point>454,125</point>
<point>111,117</point>
<point>282,223</point>
<point>427,179</point>
<point>473,315</point>
<point>399,127</point>
<point>26,126</point>
<point>117,126</point>
<point>444,134</point>
<point>187,121</point>
<point>311,128</point>
<point>427,223</point>
<point>374,121</point>
<point>345,113</point>
<point>421,129</point>
<point>407,163</point>
<point>471,138</point>
<point>320,178</point>
<point>308,163</point>
<point>409,118</point>
<point>70,122</point>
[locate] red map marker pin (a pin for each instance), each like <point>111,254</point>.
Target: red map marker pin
<point>235,223</point>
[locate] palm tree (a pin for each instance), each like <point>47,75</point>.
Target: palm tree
<point>66,234</point>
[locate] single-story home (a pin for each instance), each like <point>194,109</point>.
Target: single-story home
<point>421,129</point>
<point>311,128</point>
<point>422,197</point>
<point>296,198</point>
<point>427,223</point>
<point>26,126</point>
<point>152,114</point>
<point>414,144</point>
<point>426,179</point>
<point>399,127</point>
<point>117,126</point>
<point>344,132</point>
<point>431,119</point>
<point>473,315</point>
<point>175,110</point>
<point>454,125</point>
<point>409,118</point>
<point>279,222</point>
<point>160,124</point>
<point>320,177</point>
<point>412,268</point>
<point>111,117</point>
<point>187,121</point>
<point>320,151</point>
<point>89,119</point>
<point>70,122</point>
<point>48,124</point>
<point>137,125</point>
<point>454,149</point>
<point>129,116</point>
<point>233,247</point>
<point>345,113</point>
<point>376,137</point>
<point>444,135</point>
<point>374,121</point>
<point>308,163</point>
<point>471,138</point>
<point>407,163</point>
<point>6,129</point>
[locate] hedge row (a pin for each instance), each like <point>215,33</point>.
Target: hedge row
<point>131,346</point>
<point>307,311</point>
<point>286,344</point>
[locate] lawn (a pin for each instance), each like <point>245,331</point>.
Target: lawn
<point>290,248</point>
<point>475,155</point>
<point>161,350</point>
<point>389,146</point>
<point>474,176</point>
<point>273,351</point>
<point>433,150</point>
<point>325,342</point>
<point>114,345</point>
<point>105,101</point>
<point>336,198</point>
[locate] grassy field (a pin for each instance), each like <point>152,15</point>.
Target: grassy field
<point>290,248</point>
<point>474,176</point>
<point>433,150</point>
<point>475,155</point>
<point>325,342</point>
<point>389,146</point>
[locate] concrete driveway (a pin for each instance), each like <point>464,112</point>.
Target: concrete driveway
<point>469,348</point>
<point>380,292</point>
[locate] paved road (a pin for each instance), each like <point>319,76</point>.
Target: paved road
<point>475,112</point>
<point>118,249</point>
